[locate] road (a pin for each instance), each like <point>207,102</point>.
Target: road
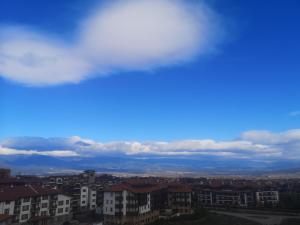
<point>264,219</point>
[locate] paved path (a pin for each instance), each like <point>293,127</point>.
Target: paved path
<point>264,219</point>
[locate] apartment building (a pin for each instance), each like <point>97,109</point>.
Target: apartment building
<point>88,197</point>
<point>179,198</point>
<point>139,203</point>
<point>235,198</point>
<point>131,204</point>
<point>267,198</point>
<point>83,197</point>
<point>35,204</point>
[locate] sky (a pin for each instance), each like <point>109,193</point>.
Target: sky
<point>145,72</point>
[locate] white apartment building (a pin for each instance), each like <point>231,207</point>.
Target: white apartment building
<point>128,204</point>
<point>88,197</point>
<point>34,203</point>
<point>92,198</point>
<point>270,198</point>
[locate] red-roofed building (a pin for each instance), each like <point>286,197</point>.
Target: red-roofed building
<point>36,204</point>
<point>180,198</point>
<point>133,202</point>
<point>136,202</point>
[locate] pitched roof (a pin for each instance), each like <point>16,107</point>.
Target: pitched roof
<point>10,193</point>
<point>139,187</point>
<point>135,188</point>
<point>177,187</point>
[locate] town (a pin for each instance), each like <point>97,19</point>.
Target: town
<point>92,198</point>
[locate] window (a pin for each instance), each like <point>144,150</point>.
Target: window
<point>24,217</point>
<point>67,209</point>
<point>60,202</point>
<point>83,202</point>
<point>44,213</point>
<point>83,190</point>
<point>7,202</point>
<point>25,208</point>
<point>45,197</point>
<point>6,211</point>
<point>83,196</point>
<point>26,199</point>
<point>67,202</point>
<point>44,205</point>
<point>60,210</point>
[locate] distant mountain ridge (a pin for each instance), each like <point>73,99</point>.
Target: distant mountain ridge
<point>141,165</point>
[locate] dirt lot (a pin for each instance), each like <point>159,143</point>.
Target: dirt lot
<point>211,219</point>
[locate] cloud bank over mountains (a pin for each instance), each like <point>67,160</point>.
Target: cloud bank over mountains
<point>129,35</point>
<point>251,145</point>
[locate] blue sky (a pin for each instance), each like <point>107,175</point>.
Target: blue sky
<point>249,81</point>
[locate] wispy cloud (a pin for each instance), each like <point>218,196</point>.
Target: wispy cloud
<point>252,145</point>
<point>122,35</point>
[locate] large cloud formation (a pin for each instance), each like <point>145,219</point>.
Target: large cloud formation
<point>120,35</point>
<point>251,145</point>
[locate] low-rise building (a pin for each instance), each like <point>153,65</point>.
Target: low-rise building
<point>267,198</point>
<point>179,198</point>
<point>36,204</point>
<point>235,198</point>
<point>130,204</point>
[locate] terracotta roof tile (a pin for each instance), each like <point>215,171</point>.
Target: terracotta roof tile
<point>136,188</point>
<point>10,193</point>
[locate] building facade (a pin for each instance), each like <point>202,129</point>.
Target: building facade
<point>34,204</point>
<point>267,198</point>
<point>129,204</point>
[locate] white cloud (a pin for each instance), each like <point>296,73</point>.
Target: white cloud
<point>54,153</point>
<point>145,34</point>
<point>267,137</point>
<point>252,145</point>
<point>287,142</point>
<point>123,35</point>
<point>29,58</point>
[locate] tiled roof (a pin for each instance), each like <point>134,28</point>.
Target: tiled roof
<point>146,188</point>
<point>11,193</point>
<point>177,187</point>
<point>138,187</point>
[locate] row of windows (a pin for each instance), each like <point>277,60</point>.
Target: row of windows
<point>44,213</point>
<point>62,202</point>
<point>106,209</point>
<point>61,210</point>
